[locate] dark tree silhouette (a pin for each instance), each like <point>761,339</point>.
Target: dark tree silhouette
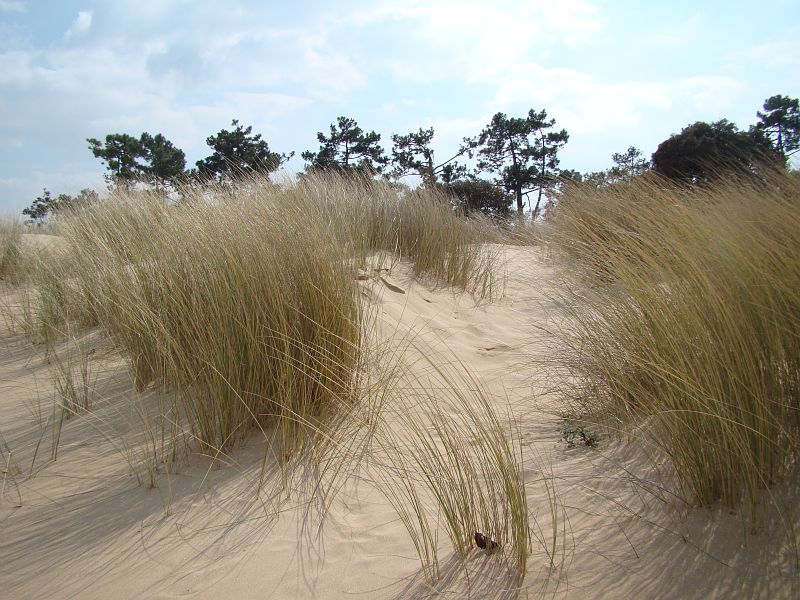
<point>475,195</point>
<point>522,153</point>
<point>628,164</point>
<point>347,149</point>
<point>780,123</point>
<point>121,153</point>
<point>147,158</point>
<point>46,205</point>
<point>412,155</point>
<point>238,153</point>
<point>702,150</point>
<point>40,207</point>
<point>165,164</point>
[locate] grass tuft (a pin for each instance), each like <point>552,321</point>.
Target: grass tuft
<point>685,317</point>
<point>247,304</point>
<point>447,462</point>
<point>11,268</point>
<point>244,299</point>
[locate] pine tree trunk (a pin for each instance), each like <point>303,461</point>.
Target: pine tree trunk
<point>535,212</point>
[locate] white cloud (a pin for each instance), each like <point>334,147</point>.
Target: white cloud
<point>585,103</point>
<point>329,75</point>
<point>80,25</point>
<point>254,57</point>
<point>681,34</point>
<point>588,105</point>
<point>185,69</point>
<point>569,20</point>
<point>475,40</point>
<point>15,68</point>
<point>11,6</point>
<point>95,89</point>
<point>709,94</point>
<point>450,134</point>
<point>779,54</point>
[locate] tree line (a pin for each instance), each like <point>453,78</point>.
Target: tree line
<point>513,158</point>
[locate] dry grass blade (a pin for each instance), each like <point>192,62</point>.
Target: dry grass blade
<point>11,268</point>
<point>686,314</point>
<point>450,463</point>
<point>244,303</point>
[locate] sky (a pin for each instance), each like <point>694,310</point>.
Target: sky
<point>614,74</point>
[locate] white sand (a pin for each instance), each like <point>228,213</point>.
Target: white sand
<point>81,527</point>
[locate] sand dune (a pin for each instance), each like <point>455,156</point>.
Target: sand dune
<point>83,527</point>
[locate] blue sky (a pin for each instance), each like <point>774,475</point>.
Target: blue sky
<point>614,74</point>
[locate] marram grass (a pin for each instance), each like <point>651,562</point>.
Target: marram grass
<point>243,299</point>
<point>11,268</point>
<point>250,314</point>
<point>245,303</point>
<point>445,460</point>
<point>686,316</point>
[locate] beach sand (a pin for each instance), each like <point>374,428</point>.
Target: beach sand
<point>82,526</point>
